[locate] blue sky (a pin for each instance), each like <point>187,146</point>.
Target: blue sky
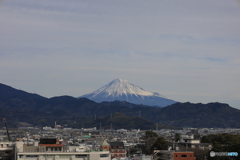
<point>185,50</point>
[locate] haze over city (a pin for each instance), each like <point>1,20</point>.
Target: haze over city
<point>185,50</point>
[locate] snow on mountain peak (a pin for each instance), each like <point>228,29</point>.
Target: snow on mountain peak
<point>119,87</point>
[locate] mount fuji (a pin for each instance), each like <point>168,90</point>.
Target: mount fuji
<point>122,90</point>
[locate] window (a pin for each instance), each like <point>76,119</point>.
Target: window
<point>31,156</point>
<point>64,156</point>
<point>81,156</point>
<point>103,155</point>
<point>183,155</point>
<point>21,156</point>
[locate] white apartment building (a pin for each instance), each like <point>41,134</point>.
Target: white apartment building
<point>55,153</point>
<point>7,150</point>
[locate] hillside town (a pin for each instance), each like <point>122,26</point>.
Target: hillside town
<point>59,143</point>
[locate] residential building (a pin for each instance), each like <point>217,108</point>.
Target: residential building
<point>105,146</point>
<point>173,155</point>
<point>117,149</point>
<point>193,143</point>
<point>50,151</point>
<point>6,150</point>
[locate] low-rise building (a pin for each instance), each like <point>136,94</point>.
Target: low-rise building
<point>194,143</point>
<point>173,155</point>
<point>117,149</point>
<point>7,150</point>
<point>43,151</point>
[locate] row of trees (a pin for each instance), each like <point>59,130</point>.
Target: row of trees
<point>221,143</point>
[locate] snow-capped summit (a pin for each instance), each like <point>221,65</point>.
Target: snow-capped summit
<point>120,87</point>
<point>122,90</point>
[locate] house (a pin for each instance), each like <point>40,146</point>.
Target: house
<point>51,151</point>
<point>173,155</point>
<point>193,143</point>
<point>7,150</point>
<point>117,149</point>
<point>105,146</point>
<point>51,144</point>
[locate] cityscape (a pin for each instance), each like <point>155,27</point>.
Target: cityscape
<point>119,80</point>
<point>58,142</point>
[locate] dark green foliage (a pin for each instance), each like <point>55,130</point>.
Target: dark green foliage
<point>119,120</point>
<point>150,134</point>
<point>223,143</point>
<point>160,144</point>
<point>177,137</point>
<point>200,115</point>
<point>197,136</point>
<point>221,139</point>
<point>150,138</point>
<point>153,142</point>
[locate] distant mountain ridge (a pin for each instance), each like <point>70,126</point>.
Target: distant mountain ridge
<point>20,107</point>
<point>122,90</point>
<point>8,92</point>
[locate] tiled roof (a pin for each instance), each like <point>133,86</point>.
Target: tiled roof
<point>51,145</point>
<point>116,144</point>
<point>105,143</point>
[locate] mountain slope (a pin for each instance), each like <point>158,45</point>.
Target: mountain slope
<point>200,115</point>
<point>19,106</point>
<point>18,99</point>
<point>8,92</point>
<point>122,90</point>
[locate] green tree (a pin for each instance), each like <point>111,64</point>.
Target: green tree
<point>150,134</point>
<point>223,143</point>
<point>160,144</point>
<point>150,138</point>
<point>177,137</point>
